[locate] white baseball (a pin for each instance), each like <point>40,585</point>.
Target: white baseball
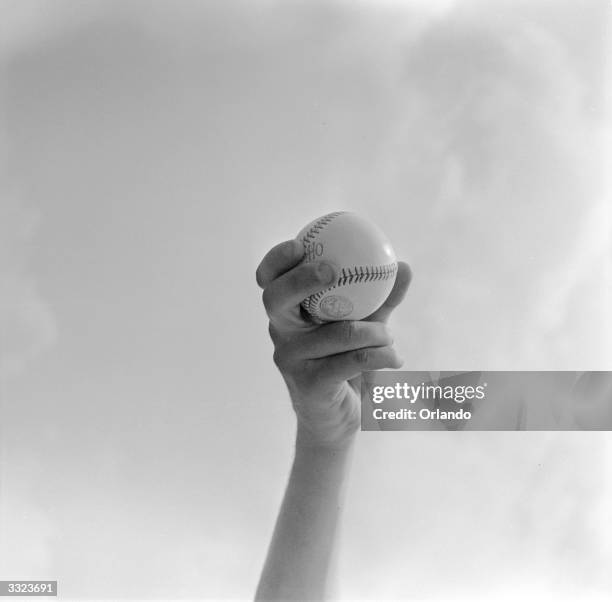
<point>366,264</point>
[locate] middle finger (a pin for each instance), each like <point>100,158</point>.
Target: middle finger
<point>338,337</point>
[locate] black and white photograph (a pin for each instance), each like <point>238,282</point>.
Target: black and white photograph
<point>306,300</point>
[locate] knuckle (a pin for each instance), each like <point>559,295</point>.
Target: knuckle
<point>284,357</point>
<point>389,359</point>
<point>259,276</point>
<point>278,358</point>
<point>281,358</point>
<point>362,356</point>
<point>386,334</point>
<point>378,334</point>
<point>289,250</point>
<point>348,331</point>
<point>267,300</point>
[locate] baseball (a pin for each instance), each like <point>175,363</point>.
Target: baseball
<point>365,259</point>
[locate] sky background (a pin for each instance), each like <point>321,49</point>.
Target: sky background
<point>152,152</point>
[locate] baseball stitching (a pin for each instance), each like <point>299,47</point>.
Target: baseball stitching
<point>355,275</point>
<point>319,225</point>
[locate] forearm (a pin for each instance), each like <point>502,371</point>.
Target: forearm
<point>298,563</point>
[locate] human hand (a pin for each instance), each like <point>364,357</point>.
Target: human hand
<point>321,363</point>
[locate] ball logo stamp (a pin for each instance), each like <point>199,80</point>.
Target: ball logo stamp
<point>364,259</point>
<point>336,307</point>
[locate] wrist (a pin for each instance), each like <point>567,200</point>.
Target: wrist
<point>306,440</point>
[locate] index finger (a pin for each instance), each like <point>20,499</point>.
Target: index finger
<point>278,260</point>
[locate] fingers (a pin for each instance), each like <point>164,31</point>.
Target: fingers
<point>336,337</point>
<point>334,352</point>
<point>287,291</point>
<point>287,282</point>
<point>278,260</point>
<point>350,364</point>
<point>396,296</point>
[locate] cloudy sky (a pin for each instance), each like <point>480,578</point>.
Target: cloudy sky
<point>151,153</point>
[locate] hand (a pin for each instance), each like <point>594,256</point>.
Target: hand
<point>322,363</point>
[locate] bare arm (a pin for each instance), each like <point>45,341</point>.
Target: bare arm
<point>300,554</point>
<point>321,365</point>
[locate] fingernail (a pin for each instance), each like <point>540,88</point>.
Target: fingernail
<point>325,272</point>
